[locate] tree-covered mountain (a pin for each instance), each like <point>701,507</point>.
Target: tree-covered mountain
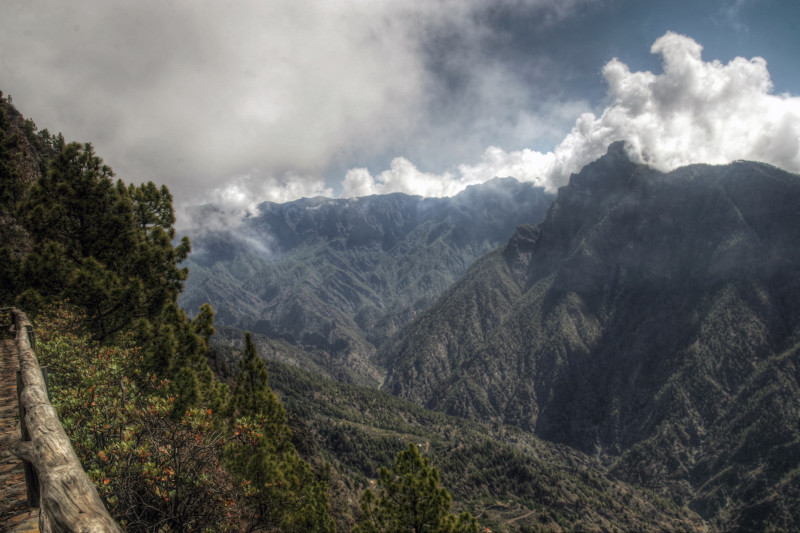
<point>652,320</point>
<point>505,476</point>
<point>338,277</point>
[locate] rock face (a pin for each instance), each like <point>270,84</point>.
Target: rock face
<point>338,277</point>
<point>652,319</point>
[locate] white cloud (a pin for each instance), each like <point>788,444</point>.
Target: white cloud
<point>254,100</point>
<point>192,92</point>
<point>402,176</point>
<point>244,193</point>
<point>240,197</point>
<point>693,112</point>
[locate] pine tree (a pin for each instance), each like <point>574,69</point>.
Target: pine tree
<point>280,487</point>
<point>105,246</point>
<point>109,249</point>
<point>252,395</point>
<point>12,190</point>
<point>410,500</point>
<point>203,323</point>
<point>12,185</point>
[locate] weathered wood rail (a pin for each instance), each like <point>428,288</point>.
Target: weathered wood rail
<point>67,499</point>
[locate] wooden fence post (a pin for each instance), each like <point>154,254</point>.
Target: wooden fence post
<point>31,337</point>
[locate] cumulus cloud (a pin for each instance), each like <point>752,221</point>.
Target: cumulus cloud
<point>254,100</point>
<point>402,176</point>
<point>695,111</point>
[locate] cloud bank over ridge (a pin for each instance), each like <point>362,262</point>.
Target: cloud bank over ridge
<point>695,111</point>
<point>252,101</point>
<point>257,100</point>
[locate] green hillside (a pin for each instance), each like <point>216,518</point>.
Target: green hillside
<point>506,477</point>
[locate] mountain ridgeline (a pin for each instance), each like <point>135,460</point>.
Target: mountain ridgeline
<point>651,320</point>
<point>647,320</point>
<point>338,277</point>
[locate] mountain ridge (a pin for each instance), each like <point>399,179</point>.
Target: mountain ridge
<point>646,302</point>
<point>338,276</point>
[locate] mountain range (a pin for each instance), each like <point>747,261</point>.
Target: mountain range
<point>338,277</point>
<point>621,356</point>
<point>647,320</point>
<point>651,321</point>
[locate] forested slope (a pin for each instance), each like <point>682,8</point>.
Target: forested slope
<point>95,263</point>
<point>508,478</point>
<point>337,277</point>
<point>651,319</point>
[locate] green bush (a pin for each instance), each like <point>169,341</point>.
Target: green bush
<point>154,472</point>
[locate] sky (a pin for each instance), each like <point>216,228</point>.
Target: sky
<point>236,103</point>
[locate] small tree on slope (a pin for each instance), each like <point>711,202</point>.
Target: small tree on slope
<point>410,500</point>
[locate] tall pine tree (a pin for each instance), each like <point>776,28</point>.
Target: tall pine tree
<point>252,395</point>
<point>280,487</point>
<point>110,249</point>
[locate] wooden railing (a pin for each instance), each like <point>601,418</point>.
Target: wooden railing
<point>67,499</point>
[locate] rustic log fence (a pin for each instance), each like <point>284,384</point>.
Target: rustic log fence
<point>67,499</point>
